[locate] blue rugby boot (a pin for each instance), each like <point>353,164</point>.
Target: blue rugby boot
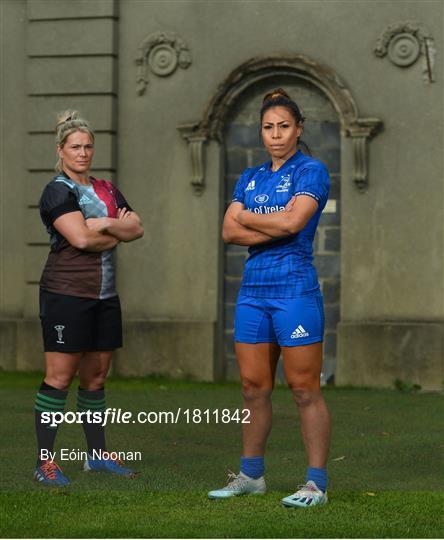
<point>48,473</point>
<point>113,466</point>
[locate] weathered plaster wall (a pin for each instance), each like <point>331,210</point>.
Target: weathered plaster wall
<point>392,235</point>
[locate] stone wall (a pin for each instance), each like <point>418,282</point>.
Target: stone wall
<point>82,54</point>
<point>70,61</point>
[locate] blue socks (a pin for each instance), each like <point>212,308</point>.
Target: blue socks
<point>253,467</point>
<point>319,476</point>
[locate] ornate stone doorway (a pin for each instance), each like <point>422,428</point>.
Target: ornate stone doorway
<point>337,136</point>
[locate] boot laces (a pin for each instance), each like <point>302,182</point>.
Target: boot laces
<point>307,487</point>
<point>50,469</point>
<point>304,488</point>
<point>235,480</point>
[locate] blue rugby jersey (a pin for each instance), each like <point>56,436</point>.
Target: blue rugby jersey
<point>282,268</point>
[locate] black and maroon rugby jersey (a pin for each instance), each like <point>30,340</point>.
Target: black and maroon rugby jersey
<point>69,270</point>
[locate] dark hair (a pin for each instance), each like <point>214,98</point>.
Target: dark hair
<point>280,98</point>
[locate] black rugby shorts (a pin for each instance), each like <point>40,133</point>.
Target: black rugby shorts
<point>74,324</point>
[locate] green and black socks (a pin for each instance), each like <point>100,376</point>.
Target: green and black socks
<point>93,401</point>
<point>48,400</point>
<point>53,400</point>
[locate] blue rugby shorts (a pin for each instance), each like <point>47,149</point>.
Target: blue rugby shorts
<point>287,321</point>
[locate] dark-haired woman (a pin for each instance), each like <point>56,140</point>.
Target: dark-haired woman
<point>79,308</point>
<point>275,210</point>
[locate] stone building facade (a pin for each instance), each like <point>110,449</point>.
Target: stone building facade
<point>173,90</point>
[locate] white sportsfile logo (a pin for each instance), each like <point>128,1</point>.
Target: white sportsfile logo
<point>251,186</point>
<point>299,332</point>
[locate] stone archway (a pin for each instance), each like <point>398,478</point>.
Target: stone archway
<point>212,127</point>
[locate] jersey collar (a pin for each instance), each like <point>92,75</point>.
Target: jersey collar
<point>290,161</point>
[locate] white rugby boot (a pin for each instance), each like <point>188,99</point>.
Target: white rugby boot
<point>239,484</point>
<point>307,495</point>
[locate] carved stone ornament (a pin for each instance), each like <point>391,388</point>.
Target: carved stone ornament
<point>160,53</point>
<point>196,141</point>
<point>212,125</point>
<point>404,43</point>
<point>361,133</point>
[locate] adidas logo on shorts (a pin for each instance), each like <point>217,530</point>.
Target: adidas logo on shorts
<point>299,332</point>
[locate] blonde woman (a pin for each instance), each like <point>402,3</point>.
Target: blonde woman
<point>86,218</point>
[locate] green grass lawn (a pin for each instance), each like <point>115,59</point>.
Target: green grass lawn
<point>386,468</point>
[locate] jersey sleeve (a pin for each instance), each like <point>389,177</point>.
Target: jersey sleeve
<point>121,202</point>
<point>57,199</point>
<point>314,181</point>
<point>241,184</point>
